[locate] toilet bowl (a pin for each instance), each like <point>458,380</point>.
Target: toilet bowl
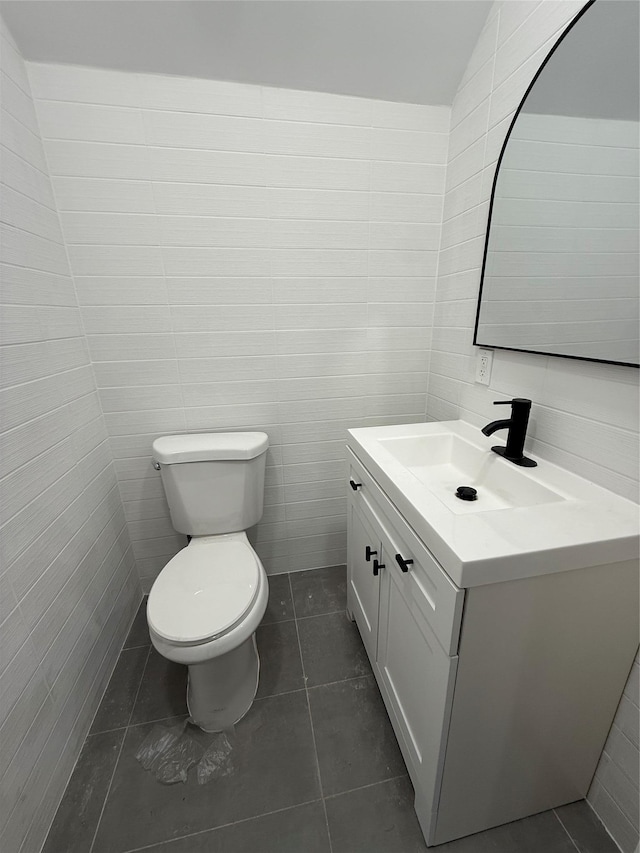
<point>203,611</point>
<point>205,605</point>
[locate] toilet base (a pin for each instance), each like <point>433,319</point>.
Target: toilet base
<point>221,691</point>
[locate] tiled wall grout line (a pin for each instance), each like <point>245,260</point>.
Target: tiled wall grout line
<point>313,734</point>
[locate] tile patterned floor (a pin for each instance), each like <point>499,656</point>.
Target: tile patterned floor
<point>315,767</point>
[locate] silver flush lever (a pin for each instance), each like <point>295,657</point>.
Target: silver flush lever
<point>155,464</point>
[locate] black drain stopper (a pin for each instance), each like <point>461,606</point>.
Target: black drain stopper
<point>466,493</point>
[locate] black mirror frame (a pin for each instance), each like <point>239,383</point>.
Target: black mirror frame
<point>563,35</point>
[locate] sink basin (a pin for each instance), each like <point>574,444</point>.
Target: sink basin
<point>525,521</point>
<point>445,462</point>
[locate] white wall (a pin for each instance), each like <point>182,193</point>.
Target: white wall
<point>585,416</point>
<point>67,585</point>
<point>246,258</point>
<point>562,266</point>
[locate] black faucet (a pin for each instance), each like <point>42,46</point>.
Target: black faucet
<point>517,426</point>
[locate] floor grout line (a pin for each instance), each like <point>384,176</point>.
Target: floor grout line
<point>313,734</point>
<point>368,785</point>
<point>106,796</point>
<point>559,819</point>
<point>222,826</point>
<point>115,766</point>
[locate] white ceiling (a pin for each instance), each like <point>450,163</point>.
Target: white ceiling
<point>399,50</point>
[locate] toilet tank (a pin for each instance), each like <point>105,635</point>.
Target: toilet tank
<point>214,482</point>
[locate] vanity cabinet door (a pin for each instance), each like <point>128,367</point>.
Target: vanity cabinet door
<point>363,586</point>
<point>417,679</point>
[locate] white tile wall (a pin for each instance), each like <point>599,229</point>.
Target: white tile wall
<point>585,416</point>
<point>247,258</point>
<point>67,584</point>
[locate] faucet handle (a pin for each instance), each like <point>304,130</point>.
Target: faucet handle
<point>522,401</point>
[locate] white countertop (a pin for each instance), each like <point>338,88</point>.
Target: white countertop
<point>586,525</point>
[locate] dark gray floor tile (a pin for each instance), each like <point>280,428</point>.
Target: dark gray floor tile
<point>139,631</point>
<point>332,649</point>
<point>355,742</point>
<point>280,665</point>
<point>120,695</point>
<point>271,766</point>
<point>280,605</point>
<point>541,833</point>
<point>163,691</point>
<point>301,829</point>
<point>582,824</point>
<point>319,591</point>
<point>376,819</point>
<point>77,817</point>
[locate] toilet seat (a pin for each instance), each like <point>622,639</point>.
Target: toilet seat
<point>205,591</point>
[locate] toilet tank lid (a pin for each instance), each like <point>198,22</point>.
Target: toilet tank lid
<point>209,447</point>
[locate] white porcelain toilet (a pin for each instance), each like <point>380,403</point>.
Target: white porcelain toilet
<point>205,605</point>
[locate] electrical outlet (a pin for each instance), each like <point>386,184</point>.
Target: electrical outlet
<point>484,360</point>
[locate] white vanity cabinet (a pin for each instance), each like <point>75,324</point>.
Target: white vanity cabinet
<point>501,695</point>
<point>409,621</point>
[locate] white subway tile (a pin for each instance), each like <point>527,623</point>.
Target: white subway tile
<point>121,374</point>
<point>317,204</point>
<point>203,199</point>
<point>402,263</point>
<point>319,290</point>
<point>19,140</point>
<point>18,103</point>
<point>313,262</point>
<point>25,177</point>
<point>409,146</point>
<point>405,235</point>
<point>69,158</point>
<point>219,291</point>
<point>201,261</point>
<point>316,173</point>
<point>193,95</point>
<point>20,211</point>
<point>407,177</point>
<point>119,291</point>
<point>130,319</point>
<point>406,207</point>
<point>130,347</point>
<point>223,318</point>
<point>306,339</point>
<point>314,234</point>
<point>89,123</point>
<point>292,105</point>
<point>320,316</point>
<point>107,195</point>
<point>206,344</point>
<point>84,85</point>
<point>296,138</point>
<point>185,165</point>
<point>411,116</point>
<point>110,229</point>
<point>210,132</point>
<point>235,368</point>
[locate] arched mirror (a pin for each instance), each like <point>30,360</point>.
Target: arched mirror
<point>561,267</point>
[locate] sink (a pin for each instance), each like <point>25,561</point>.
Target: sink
<point>525,521</point>
<point>446,461</point>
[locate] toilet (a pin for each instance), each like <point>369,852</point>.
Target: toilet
<point>206,603</point>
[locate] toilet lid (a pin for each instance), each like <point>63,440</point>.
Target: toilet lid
<point>204,591</point>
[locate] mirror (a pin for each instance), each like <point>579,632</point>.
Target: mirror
<point>561,267</point>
